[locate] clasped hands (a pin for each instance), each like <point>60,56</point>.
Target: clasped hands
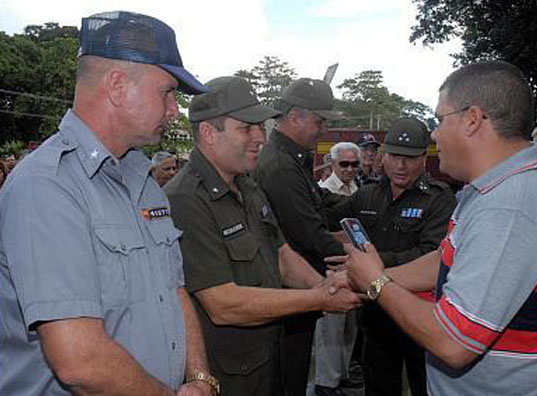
<point>360,268</point>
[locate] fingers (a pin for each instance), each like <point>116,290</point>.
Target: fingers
<point>335,259</point>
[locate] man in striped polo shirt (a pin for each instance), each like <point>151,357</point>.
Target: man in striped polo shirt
<point>481,334</point>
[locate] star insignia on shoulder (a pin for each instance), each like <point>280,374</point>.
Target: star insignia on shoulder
<point>94,153</point>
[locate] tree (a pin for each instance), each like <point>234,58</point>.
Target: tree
<point>504,30</point>
<point>37,74</point>
<point>369,104</point>
<point>269,78</point>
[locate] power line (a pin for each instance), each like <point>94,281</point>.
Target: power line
<point>29,114</point>
<point>42,97</point>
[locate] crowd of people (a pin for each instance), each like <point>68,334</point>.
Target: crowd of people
<point>129,276</point>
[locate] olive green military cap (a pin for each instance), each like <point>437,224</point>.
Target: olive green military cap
<point>230,96</point>
<point>407,136</point>
<point>310,94</point>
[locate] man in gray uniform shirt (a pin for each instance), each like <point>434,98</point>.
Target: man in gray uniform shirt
<point>91,280</point>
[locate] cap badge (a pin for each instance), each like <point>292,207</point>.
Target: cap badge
<point>404,137</point>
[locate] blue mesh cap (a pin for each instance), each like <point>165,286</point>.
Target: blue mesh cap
<point>137,38</point>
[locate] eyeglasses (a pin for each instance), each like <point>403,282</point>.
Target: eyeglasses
<point>349,164</point>
<point>440,117</point>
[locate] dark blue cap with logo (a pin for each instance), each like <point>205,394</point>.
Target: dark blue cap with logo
<point>137,38</point>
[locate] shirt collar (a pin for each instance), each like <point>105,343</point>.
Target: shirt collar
<point>91,151</point>
<point>525,159</point>
<point>287,144</point>
<point>336,181</point>
<point>214,184</point>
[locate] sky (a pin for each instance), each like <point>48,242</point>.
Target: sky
<point>217,38</point>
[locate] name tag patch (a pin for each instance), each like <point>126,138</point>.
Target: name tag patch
<point>155,213</point>
<point>411,213</point>
<point>233,229</point>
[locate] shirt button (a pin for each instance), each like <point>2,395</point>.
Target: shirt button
<point>65,141</point>
<point>244,368</point>
<point>173,346</point>
<point>160,298</point>
<point>167,239</point>
<point>123,247</point>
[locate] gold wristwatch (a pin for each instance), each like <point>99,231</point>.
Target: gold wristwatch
<point>376,287</point>
<point>207,378</point>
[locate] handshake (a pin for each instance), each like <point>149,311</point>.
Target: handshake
<point>349,278</point>
<point>336,294</point>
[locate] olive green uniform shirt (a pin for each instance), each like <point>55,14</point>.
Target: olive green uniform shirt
<point>285,173</point>
<point>229,237</point>
<point>408,227</point>
<point>401,229</point>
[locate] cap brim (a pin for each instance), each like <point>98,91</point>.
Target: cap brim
<point>187,82</point>
<point>407,151</point>
<point>255,114</point>
<point>328,114</point>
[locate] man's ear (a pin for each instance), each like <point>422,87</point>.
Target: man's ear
<point>473,120</point>
<point>207,133</point>
<point>116,86</point>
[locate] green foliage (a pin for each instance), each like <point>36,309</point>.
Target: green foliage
<point>369,104</point>
<point>269,78</point>
<point>37,74</point>
<point>505,30</point>
<point>12,147</point>
<point>177,138</point>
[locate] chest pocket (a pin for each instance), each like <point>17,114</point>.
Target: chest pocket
<point>242,250</point>
<point>166,237</point>
<point>118,250</point>
<point>408,231</point>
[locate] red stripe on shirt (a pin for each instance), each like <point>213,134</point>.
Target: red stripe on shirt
<point>494,183</point>
<point>467,327</point>
<point>517,341</point>
<point>453,334</point>
<point>447,248</point>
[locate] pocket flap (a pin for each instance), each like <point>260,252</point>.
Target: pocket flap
<point>120,239</point>
<point>163,232</point>
<point>238,361</point>
<point>243,247</point>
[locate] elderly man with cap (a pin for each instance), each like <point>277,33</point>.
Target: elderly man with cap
<point>91,282</point>
<point>236,259</point>
<point>368,144</point>
<point>285,173</point>
<point>406,215</point>
<point>163,167</point>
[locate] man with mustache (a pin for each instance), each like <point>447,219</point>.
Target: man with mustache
<point>236,259</point>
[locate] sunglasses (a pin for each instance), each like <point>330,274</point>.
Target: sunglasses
<point>349,164</point>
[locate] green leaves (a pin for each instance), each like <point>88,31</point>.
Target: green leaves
<point>269,78</point>
<point>505,30</point>
<point>37,74</point>
<point>369,104</point>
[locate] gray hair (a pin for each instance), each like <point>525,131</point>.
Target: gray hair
<point>160,156</point>
<point>338,147</point>
<point>500,90</point>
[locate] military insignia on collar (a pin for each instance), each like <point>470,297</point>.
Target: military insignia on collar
<point>265,210</point>
<point>232,230</point>
<point>412,213</point>
<point>155,213</point>
<point>423,186</point>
